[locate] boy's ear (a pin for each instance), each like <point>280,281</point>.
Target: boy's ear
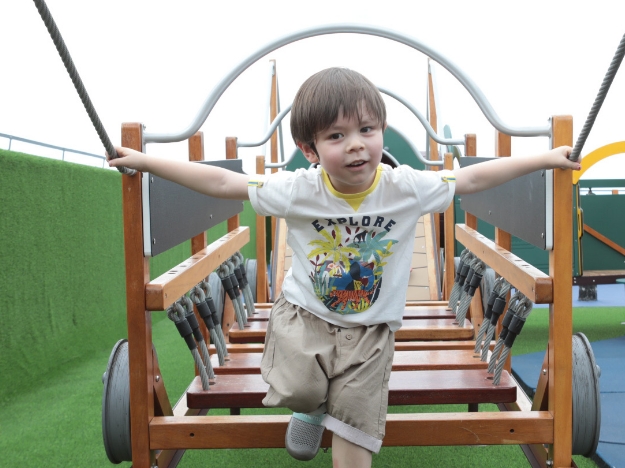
<point>309,153</point>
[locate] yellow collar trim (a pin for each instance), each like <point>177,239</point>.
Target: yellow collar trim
<point>354,199</point>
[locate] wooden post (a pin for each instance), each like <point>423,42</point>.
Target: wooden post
<point>138,318</point>
<point>470,149</point>
<point>231,153</point>
<point>273,113</point>
<point>503,148</point>
<point>199,242</point>
<point>449,238</point>
<point>560,310</point>
<point>433,153</point>
<point>261,245</point>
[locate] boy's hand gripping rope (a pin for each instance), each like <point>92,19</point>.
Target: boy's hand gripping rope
<point>206,287</point>
<point>199,298</point>
<point>176,314</point>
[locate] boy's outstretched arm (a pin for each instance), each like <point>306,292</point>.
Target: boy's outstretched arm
<point>209,180</point>
<point>478,177</point>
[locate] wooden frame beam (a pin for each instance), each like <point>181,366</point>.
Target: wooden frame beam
<point>163,291</point>
<point>528,279</point>
<point>203,432</point>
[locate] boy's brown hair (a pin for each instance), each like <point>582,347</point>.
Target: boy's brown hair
<point>322,96</point>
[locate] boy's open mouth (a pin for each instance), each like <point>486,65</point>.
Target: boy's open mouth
<point>356,163</point>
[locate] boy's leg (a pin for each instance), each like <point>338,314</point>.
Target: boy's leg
<point>297,380</point>
<point>348,455</point>
<point>289,365</point>
<point>358,391</point>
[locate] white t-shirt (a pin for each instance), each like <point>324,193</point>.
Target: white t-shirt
<point>351,253</point>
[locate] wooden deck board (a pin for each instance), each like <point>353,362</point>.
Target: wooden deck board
<point>249,363</point>
<point>412,329</point>
<point>429,387</point>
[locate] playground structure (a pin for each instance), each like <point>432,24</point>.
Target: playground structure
<point>160,431</point>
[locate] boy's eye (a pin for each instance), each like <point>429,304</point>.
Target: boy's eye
<point>366,129</point>
<point>335,136</point>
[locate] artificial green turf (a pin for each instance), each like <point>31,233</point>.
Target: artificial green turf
<point>57,422</point>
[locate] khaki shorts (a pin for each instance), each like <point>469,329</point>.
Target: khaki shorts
<point>309,363</point>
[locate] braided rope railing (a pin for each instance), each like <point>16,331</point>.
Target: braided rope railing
<point>61,48</point>
<point>603,91</point>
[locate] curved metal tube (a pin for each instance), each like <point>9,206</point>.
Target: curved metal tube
<point>272,128</point>
<point>428,128</point>
<point>471,87</point>
<point>414,149</point>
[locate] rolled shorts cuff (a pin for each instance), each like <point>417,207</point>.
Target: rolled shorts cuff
<point>355,436</point>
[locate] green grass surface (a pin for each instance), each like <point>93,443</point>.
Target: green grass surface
<point>57,422</point>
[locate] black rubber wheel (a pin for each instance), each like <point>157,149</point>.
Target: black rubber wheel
<point>586,398</point>
<point>116,405</point>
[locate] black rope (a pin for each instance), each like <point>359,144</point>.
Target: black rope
<point>46,16</point>
<point>603,91</point>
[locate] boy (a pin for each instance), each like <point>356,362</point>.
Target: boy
<point>351,223</point>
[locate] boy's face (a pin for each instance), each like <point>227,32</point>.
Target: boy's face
<point>349,151</point>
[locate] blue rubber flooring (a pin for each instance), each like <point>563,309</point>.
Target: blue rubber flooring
<point>610,357</point>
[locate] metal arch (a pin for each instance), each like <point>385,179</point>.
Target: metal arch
<point>428,128</point>
<point>470,86</point>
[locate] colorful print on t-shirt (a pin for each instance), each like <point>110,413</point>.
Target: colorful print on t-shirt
<point>348,265</point>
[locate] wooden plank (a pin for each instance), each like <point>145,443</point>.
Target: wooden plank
<point>254,332</point>
<point>426,387</point>
<point>529,280</point>
<point>412,329</point>
<point>249,363</point>
<point>411,312</point>
<point>421,429</point>
<point>434,329</point>
<point>163,291</point>
<point>138,320</point>
<point>560,310</point>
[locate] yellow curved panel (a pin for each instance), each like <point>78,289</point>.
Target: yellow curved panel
<point>597,155</point>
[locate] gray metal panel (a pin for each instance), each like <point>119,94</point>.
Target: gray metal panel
<point>518,207</point>
<point>177,213</point>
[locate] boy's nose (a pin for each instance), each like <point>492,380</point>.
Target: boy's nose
<point>355,144</point>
